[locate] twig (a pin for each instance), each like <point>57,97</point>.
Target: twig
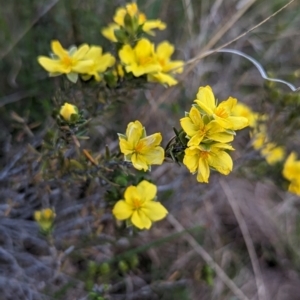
<point>207,258</point>
<point>261,290</point>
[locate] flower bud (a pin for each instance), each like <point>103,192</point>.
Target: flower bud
<point>67,110</point>
<point>45,218</point>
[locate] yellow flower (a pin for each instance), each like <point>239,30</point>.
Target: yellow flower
<point>221,113</point>
<point>259,137</point>
<point>242,110</point>
<point>143,151</point>
<point>197,130</point>
<point>67,110</point>
<point>137,19</point>
<point>163,55</point>
<point>45,218</point>
<point>291,171</point>
<point>100,62</point>
<point>270,151</point>
<point>140,60</point>
<point>273,153</point>
<point>65,62</point>
<point>139,206</point>
<point>200,158</point>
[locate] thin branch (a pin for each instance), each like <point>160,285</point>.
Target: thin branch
<point>24,32</point>
<point>207,258</point>
<point>261,289</point>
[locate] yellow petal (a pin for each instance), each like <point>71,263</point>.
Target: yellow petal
<point>134,132</point>
<point>122,210</point>
<point>162,78</point>
<point>221,161</point>
<point>119,16</point>
<point>291,168</point>
<point>191,159</point>
<point>188,126</point>
<point>154,156</point>
<point>294,187</point>
<point>155,211</point>
<point>153,24</point>
<point>139,162</point>
<point>58,49</point>
<point>206,99</point>
<point>82,66</point>
<point>196,139</point>
<point>131,195</point>
<point>127,55</point>
<point>126,147</point>
<point>81,51</point>
<point>144,48</point>
<point>51,65</point>
<point>238,122</point>
<point>164,50</point>
<point>93,53</point>
<point>203,170</point>
<point>140,220</point>
<point>109,32</point>
<point>147,190</point>
<point>175,66</point>
<point>273,153</point>
<point>221,137</point>
<point>150,141</point>
<point>139,70</point>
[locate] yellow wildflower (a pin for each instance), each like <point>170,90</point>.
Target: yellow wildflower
<point>66,62</point>
<point>143,151</point>
<point>140,60</point>
<point>163,55</point>
<point>67,110</point>
<point>100,62</point>
<point>291,171</point>
<point>242,110</point>
<point>139,206</point>
<point>137,19</point>
<point>273,153</point>
<point>197,130</point>
<point>270,151</point>
<point>200,158</point>
<point>45,218</point>
<point>222,113</point>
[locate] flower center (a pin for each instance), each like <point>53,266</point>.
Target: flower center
<point>204,154</point>
<point>222,113</point>
<point>137,203</point>
<point>162,62</point>
<point>145,60</point>
<point>67,61</point>
<point>138,148</point>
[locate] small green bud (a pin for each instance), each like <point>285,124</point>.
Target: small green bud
<point>104,268</point>
<point>123,267</point>
<point>134,261</point>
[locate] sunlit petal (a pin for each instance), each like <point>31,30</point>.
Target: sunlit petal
<point>122,210</point>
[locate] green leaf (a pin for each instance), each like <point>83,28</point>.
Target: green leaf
<point>73,77</point>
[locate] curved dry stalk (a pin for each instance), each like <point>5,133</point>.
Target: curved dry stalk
<point>207,258</point>
<point>205,51</point>
<point>261,289</point>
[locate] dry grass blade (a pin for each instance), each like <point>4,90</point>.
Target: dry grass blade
<point>23,32</point>
<point>207,258</point>
<point>261,290</point>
